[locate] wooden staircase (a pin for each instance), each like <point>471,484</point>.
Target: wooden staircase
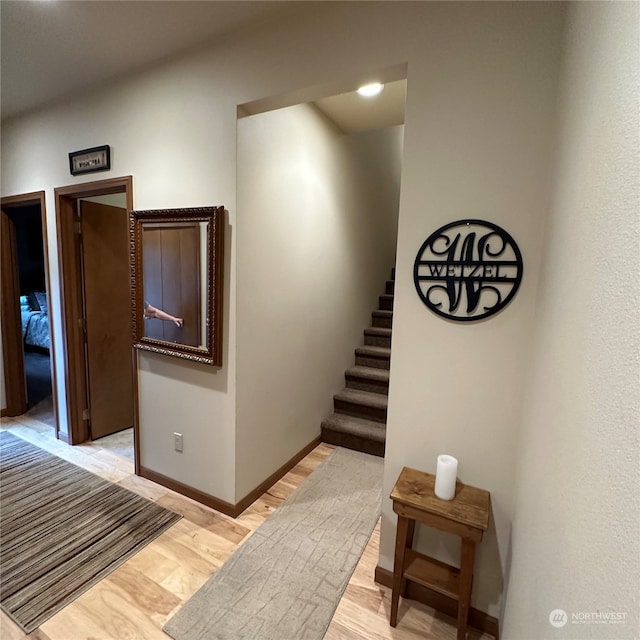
<point>360,409</point>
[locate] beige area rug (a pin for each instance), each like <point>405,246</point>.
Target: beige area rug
<point>285,581</point>
<point>62,529</point>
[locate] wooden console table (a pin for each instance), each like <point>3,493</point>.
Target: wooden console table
<point>467,516</point>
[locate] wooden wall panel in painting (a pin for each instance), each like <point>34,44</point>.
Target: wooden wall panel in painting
<point>171,267</point>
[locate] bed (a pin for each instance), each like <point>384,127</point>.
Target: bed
<point>35,320</point>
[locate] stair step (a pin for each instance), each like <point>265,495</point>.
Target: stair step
<point>354,433</point>
<point>376,357</point>
<point>361,404</point>
<point>382,319</point>
<point>377,337</point>
<point>386,302</point>
<point>360,417</point>
<point>367,379</point>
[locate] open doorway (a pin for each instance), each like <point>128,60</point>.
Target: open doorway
<point>34,308</point>
<point>93,247</point>
<point>26,322</point>
<point>318,188</point>
<point>104,238</point>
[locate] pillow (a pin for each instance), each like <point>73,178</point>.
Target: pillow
<point>41,297</point>
<point>24,304</point>
<point>33,302</point>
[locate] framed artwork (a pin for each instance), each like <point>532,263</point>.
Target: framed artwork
<point>90,160</point>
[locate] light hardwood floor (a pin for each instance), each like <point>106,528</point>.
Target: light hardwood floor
<point>136,600</point>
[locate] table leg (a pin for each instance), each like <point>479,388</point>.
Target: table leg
<point>398,567</point>
<point>467,558</point>
<point>408,545</point>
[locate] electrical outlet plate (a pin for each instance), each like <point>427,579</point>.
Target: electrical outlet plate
<point>177,441</point>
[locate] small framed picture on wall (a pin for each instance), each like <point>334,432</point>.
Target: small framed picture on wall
<point>89,160</point>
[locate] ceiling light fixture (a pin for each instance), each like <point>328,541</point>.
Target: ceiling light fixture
<point>370,90</point>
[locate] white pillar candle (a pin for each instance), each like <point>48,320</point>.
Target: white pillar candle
<point>446,474</point>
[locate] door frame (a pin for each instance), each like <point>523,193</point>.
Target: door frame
<point>70,269</point>
<point>12,354</point>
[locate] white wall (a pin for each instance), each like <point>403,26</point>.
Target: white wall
<point>481,150</point>
<point>477,135</point>
<point>173,166</point>
<point>316,236</point>
<point>575,537</point>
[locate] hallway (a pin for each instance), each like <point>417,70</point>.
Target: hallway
<point>138,598</point>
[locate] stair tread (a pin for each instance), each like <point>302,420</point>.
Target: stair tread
<point>384,313</point>
<point>366,398</point>
<point>356,426</point>
<point>377,331</point>
<point>380,352</point>
<point>368,372</point>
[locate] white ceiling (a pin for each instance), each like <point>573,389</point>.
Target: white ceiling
<point>53,49</point>
<point>351,112</point>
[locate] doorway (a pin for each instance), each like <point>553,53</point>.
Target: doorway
<point>318,188</point>
<point>93,251</point>
<point>28,357</point>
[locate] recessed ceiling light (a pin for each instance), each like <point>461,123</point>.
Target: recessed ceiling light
<point>370,90</point>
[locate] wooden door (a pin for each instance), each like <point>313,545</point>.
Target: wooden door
<point>13,356</point>
<point>107,308</point>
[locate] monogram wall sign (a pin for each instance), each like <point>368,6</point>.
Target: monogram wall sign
<point>468,270</point>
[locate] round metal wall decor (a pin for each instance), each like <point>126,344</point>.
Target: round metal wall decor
<point>468,270</point>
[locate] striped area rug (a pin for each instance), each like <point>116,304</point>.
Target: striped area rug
<point>62,529</point>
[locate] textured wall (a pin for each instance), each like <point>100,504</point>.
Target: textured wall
<point>575,538</point>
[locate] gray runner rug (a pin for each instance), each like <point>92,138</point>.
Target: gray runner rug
<point>285,581</point>
<point>62,529</point>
